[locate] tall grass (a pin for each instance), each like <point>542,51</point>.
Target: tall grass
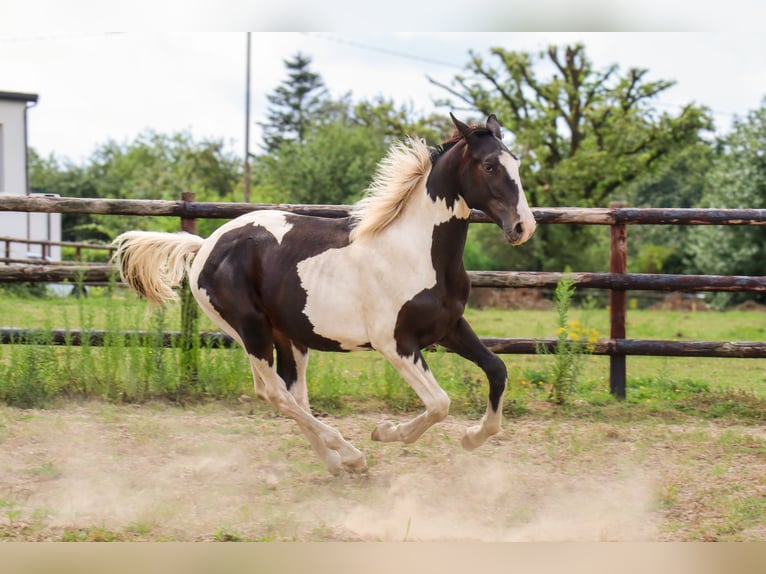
<point>122,370</point>
<point>38,374</point>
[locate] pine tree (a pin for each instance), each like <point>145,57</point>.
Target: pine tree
<point>293,103</point>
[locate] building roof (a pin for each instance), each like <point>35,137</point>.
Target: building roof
<point>18,97</point>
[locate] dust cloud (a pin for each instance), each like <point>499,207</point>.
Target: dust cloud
<point>170,474</point>
<point>497,501</point>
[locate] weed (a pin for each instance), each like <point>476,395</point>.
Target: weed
<point>226,535</point>
<point>93,534</point>
<point>10,511</point>
<point>407,530</point>
<point>47,471</point>
<point>573,343</point>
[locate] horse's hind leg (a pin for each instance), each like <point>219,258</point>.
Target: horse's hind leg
<point>259,342</point>
<point>415,371</point>
<point>251,329</point>
<point>292,361</point>
<point>333,449</point>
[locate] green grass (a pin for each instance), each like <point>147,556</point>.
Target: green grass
<point>37,375</point>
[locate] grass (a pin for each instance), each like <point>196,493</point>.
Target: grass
<point>38,375</point>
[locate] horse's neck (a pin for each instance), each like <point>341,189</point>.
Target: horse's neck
<point>425,220</point>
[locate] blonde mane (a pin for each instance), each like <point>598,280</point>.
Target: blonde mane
<point>397,177</point>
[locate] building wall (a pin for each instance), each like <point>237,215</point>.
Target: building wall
<point>13,150</point>
<point>13,181</point>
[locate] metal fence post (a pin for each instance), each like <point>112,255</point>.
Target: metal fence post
<point>189,320</point>
<point>618,263</point>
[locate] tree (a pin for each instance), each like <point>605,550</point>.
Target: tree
<point>341,146</point>
<point>397,122</point>
<point>333,165</point>
<point>680,182</point>
<point>51,175</point>
<point>293,104</point>
<point>154,166</point>
<point>583,133</point>
<point>737,179</point>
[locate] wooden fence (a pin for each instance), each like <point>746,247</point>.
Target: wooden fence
<point>617,281</point>
<point>45,250</point>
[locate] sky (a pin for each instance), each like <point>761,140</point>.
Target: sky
<point>95,87</point>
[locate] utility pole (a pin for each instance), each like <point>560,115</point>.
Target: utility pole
<point>246,177</point>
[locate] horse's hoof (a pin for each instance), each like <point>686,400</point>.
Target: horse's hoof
<point>333,463</point>
<point>357,465</point>
<point>384,432</point>
<point>471,439</point>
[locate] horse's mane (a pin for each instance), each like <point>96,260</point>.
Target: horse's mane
<point>397,177</point>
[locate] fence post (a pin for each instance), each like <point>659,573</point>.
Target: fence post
<point>189,319</point>
<point>618,263</point>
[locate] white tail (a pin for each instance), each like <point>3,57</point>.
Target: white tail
<point>152,263</point>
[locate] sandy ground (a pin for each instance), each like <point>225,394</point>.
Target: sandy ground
<point>215,472</point>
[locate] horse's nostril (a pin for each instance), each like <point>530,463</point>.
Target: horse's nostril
<point>519,229</point>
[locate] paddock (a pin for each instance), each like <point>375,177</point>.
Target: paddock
<point>95,470</point>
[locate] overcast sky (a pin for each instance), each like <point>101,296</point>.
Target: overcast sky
<point>94,87</point>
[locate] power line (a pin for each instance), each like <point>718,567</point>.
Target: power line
<point>380,50</point>
<point>417,58</point>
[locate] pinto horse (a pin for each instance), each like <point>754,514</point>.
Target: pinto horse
<point>389,277</point>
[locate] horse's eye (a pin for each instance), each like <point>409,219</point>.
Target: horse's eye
<point>488,167</point>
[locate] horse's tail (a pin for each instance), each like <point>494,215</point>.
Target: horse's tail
<point>152,263</point>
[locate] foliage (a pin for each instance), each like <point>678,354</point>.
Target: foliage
<point>324,151</point>
<point>679,182</point>
<point>333,165</point>
<point>293,104</point>
<point>55,176</point>
<point>737,179</point>
<point>587,136</point>
<point>583,133</point>
<point>154,166</point>
<point>397,122</point>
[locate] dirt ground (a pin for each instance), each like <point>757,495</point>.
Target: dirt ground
<point>97,471</point>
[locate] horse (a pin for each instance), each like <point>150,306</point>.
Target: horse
<point>388,277</point>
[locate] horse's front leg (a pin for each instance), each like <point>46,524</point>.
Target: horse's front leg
<point>415,371</point>
<point>466,343</point>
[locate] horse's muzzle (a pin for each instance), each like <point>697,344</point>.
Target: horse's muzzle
<point>514,234</point>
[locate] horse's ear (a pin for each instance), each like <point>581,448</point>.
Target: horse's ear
<point>494,126</point>
<point>461,127</point>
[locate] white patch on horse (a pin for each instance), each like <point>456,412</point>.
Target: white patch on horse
<point>354,293</point>
<point>275,222</point>
<point>511,166</point>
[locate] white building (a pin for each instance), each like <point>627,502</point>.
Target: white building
<point>14,181</point>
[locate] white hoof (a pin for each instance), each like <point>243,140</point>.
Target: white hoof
<point>385,432</point>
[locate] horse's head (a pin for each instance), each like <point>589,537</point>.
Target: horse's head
<point>489,180</point>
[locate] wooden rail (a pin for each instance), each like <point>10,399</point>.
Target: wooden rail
<point>516,346</point>
<point>101,273</point>
<point>617,281</point>
<point>190,209</point>
<point>46,245</point>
